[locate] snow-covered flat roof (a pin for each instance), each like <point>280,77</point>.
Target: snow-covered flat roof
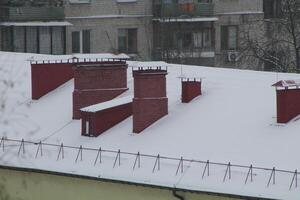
<point>107,16</point>
<point>194,19</point>
<point>108,104</point>
<point>233,121</point>
<point>36,23</point>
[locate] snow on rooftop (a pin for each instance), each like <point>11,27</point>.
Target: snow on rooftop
<point>37,23</point>
<point>194,19</point>
<point>233,121</point>
<point>287,83</point>
<point>108,104</point>
<point>80,57</point>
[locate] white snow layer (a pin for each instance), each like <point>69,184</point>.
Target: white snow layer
<point>233,121</point>
<point>108,104</point>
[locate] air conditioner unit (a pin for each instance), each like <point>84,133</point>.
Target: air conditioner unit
<point>233,56</point>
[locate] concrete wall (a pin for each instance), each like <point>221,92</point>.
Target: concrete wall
<point>108,7</point>
<point>239,13</point>
<point>242,21</point>
<point>228,6</point>
<point>105,17</point>
<point>19,185</point>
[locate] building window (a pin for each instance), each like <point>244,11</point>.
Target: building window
<point>81,41</point>
<point>187,41</point>
<point>45,40</point>
<point>127,40</point>
<point>33,39</point>
<point>6,39</point>
<point>202,39</point>
<point>19,39</point>
<point>272,8</point>
<point>229,37</point>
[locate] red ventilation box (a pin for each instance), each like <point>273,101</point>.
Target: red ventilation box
<point>47,76</point>
<point>150,102</point>
<point>191,88</point>
<point>288,100</point>
<point>98,118</point>
<point>98,82</point>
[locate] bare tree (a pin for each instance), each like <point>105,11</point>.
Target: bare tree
<point>275,41</point>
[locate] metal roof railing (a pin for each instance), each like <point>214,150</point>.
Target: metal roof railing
<point>22,144</point>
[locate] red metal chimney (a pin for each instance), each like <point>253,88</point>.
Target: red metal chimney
<point>150,102</point>
<point>98,82</point>
<point>288,100</point>
<point>47,75</point>
<point>191,88</point>
<point>98,118</point>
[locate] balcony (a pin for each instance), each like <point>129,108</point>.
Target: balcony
<point>183,10</point>
<point>30,13</point>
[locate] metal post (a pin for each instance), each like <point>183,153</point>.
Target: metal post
<point>180,166</point>
<point>22,147</point>
<point>137,160</point>
<point>79,153</point>
<point>206,168</point>
<point>118,158</point>
<point>99,154</point>
<point>39,149</point>
<point>61,151</point>
<point>272,176</point>
<point>2,143</point>
<point>294,180</point>
<point>250,173</point>
<point>228,171</point>
<point>157,163</point>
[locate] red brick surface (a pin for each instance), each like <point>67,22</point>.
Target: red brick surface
<point>47,77</point>
<point>84,98</point>
<point>105,119</point>
<point>100,77</point>
<point>150,102</point>
<point>149,85</point>
<point>288,104</point>
<point>190,90</point>
<point>97,82</point>
<point>148,111</point>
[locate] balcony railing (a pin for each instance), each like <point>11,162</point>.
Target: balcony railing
<point>29,13</point>
<point>194,9</point>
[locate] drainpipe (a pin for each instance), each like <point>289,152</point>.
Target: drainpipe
<point>174,192</point>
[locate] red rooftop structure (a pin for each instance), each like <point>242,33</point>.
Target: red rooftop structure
<point>48,75</point>
<point>150,101</point>
<point>98,82</point>
<point>191,88</point>
<point>288,100</point>
<point>98,118</point>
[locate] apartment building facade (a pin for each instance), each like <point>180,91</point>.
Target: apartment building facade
<point>33,26</point>
<point>200,32</point>
<point>114,26</point>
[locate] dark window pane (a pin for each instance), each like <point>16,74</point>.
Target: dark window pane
<point>122,40</point>
<point>58,42</point>
<point>31,40</point>
<point>19,38</point>
<point>45,40</point>
<point>224,36</point>
<point>132,40</point>
<point>86,34</point>
<point>187,40</point>
<point>127,40</point>
<point>6,40</point>
<point>76,42</point>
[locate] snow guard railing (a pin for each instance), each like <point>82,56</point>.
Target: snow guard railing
<point>37,149</point>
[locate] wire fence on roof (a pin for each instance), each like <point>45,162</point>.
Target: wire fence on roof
<point>6,143</point>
